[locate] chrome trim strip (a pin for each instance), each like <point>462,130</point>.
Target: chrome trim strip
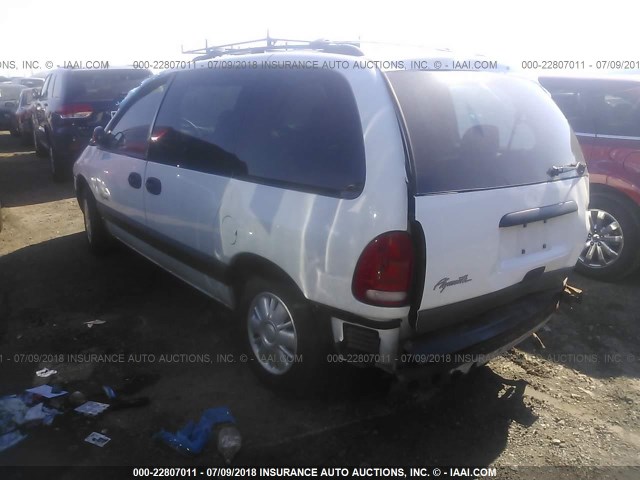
<point>618,137</point>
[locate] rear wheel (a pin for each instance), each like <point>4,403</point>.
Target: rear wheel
<point>611,250</point>
<point>40,151</point>
<point>280,334</point>
<point>96,232</point>
<point>27,137</point>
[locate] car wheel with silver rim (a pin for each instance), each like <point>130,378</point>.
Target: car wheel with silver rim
<point>280,333</point>
<point>611,250</point>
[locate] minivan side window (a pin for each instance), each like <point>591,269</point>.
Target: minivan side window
<point>618,112</point>
<point>45,88</point>
<point>56,83</point>
<point>299,129</point>
<point>130,134</point>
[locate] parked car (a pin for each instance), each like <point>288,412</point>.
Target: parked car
<point>9,96</point>
<point>23,118</point>
<point>604,112</point>
<point>29,82</point>
<point>420,221</point>
<point>71,104</point>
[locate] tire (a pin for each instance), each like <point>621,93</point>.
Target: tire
<point>96,233</point>
<point>15,132</point>
<point>40,150</point>
<point>27,138</point>
<point>275,312</point>
<point>58,170</point>
<point>615,253</point>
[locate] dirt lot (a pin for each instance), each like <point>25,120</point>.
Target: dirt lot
<point>573,403</point>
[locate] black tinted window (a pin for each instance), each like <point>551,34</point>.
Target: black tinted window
<point>130,134</point>
<point>474,130</point>
<point>55,86</point>
<point>598,106</point>
<point>26,97</point>
<point>575,106</point>
<point>618,111</point>
<point>96,85</point>
<point>44,93</point>
<point>10,92</point>
<point>299,128</point>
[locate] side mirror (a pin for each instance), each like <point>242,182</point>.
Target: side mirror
<point>99,137</point>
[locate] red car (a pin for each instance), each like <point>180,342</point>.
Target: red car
<point>604,113</point>
<point>23,118</point>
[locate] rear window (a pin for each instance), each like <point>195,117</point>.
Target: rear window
<point>10,92</point>
<point>476,130</point>
<point>97,85</point>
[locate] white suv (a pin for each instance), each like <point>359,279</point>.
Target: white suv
<point>416,220</point>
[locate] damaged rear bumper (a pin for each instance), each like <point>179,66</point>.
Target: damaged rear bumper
<point>459,347</point>
<point>474,343</point>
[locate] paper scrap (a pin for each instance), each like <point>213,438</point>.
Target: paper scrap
<point>46,391</point>
<point>94,322</point>
<point>92,408</point>
<point>45,372</point>
<point>97,439</point>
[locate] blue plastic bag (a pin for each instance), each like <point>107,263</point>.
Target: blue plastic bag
<point>192,438</point>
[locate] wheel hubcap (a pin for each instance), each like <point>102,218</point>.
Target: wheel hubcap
<point>605,240</point>
<point>272,334</point>
<point>87,221</point>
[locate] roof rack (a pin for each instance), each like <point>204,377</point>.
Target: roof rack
<point>269,44</point>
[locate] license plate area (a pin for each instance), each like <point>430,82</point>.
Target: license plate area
<point>523,240</point>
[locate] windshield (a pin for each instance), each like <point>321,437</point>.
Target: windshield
<point>476,130</point>
<point>88,86</point>
<point>10,92</point>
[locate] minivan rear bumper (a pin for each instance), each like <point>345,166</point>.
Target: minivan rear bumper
<point>475,342</point>
<point>460,346</point>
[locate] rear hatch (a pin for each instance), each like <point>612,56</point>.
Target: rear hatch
<point>92,97</point>
<point>493,218</point>
<point>9,95</point>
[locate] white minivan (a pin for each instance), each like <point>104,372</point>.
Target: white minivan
<point>418,220</point>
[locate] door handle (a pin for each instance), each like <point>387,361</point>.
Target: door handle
<point>153,185</point>
<point>135,180</point>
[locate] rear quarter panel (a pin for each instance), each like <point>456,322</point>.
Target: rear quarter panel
<point>316,239</point>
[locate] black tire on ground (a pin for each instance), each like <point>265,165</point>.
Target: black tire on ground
<point>40,150</point>
<point>291,325</point>
<point>628,258</point>
<point>57,166</point>
<point>15,132</point>
<point>96,233</point>
<point>27,138</point>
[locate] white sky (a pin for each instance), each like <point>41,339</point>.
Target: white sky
<point>121,31</point>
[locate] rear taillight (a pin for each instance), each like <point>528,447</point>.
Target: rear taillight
<point>384,271</point>
<point>75,110</point>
